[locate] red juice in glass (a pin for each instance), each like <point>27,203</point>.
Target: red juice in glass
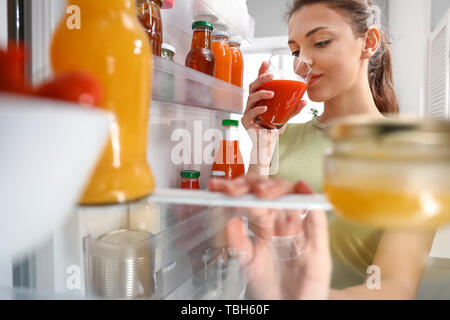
<point>290,82</point>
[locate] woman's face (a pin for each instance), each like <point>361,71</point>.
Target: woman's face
<point>325,38</point>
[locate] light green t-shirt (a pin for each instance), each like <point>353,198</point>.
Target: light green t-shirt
<point>353,247</point>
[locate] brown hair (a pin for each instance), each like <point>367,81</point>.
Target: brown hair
<point>363,14</point>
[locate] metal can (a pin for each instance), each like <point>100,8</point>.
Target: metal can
<point>120,265</point>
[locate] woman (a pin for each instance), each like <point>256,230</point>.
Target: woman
<point>352,74</point>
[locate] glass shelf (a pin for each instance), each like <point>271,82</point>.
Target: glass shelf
<point>213,199</point>
<point>176,84</point>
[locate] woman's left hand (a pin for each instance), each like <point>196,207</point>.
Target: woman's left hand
<point>290,258</point>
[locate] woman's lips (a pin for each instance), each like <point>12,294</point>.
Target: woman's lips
<point>314,78</point>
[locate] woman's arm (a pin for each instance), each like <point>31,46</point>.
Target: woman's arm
<point>264,144</point>
<point>401,257</point>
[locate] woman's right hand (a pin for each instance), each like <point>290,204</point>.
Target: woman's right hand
<point>255,96</point>
<point>264,140</point>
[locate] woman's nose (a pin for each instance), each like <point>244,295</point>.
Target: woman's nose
<point>307,59</point>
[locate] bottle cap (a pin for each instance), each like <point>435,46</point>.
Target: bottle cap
<point>218,174</point>
<point>202,23</point>
<point>235,39</point>
<point>221,33</point>
<point>168,47</point>
<point>230,123</point>
<point>190,174</point>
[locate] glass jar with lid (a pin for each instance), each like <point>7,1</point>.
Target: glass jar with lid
<point>168,52</point>
<point>222,53</point>
<point>201,57</point>
<point>149,13</point>
<point>390,173</point>
<point>190,179</point>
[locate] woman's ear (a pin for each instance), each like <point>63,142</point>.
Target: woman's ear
<point>372,42</point>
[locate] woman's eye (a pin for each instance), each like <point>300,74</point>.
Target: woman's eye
<point>322,43</point>
<point>296,53</point>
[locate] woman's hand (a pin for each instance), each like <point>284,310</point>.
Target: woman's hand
<point>264,141</point>
<point>256,95</point>
<point>290,258</point>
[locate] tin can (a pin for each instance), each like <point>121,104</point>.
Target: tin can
<point>120,265</point>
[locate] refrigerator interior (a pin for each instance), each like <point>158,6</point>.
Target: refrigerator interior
<point>187,255</point>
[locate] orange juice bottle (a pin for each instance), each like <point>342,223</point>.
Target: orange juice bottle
<point>237,62</point>
<point>228,157</point>
<point>111,45</point>
<point>222,52</point>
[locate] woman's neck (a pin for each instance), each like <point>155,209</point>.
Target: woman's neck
<point>356,100</point>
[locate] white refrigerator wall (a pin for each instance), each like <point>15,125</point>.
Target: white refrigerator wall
<point>409,27</point>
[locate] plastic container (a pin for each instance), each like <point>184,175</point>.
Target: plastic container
<point>390,173</point>
<point>124,71</point>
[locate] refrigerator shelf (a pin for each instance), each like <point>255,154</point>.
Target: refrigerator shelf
<point>214,199</point>
<point>176,84</point>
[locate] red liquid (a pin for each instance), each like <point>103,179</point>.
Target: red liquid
<point>288,95</point>
<point>190,185</point>
<point>229,160</point>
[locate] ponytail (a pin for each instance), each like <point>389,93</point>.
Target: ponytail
<point>380,78</point>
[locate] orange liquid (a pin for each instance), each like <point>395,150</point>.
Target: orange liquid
<point>385,208</point>
<point>201,58</point>
<point>229,160</point>
<point>237,67</point>
<point>288,95</point>
<point>222,52</point>
<point>112,46</point>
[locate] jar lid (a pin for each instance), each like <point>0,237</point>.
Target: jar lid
<point>230,123</point>
<point>221,33</point>
<point>190,174</point>
<point>202,23</point>
<point>235,39</point>
<point>389,131</point>
<point>218,174</point>
<point>168,47</point>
